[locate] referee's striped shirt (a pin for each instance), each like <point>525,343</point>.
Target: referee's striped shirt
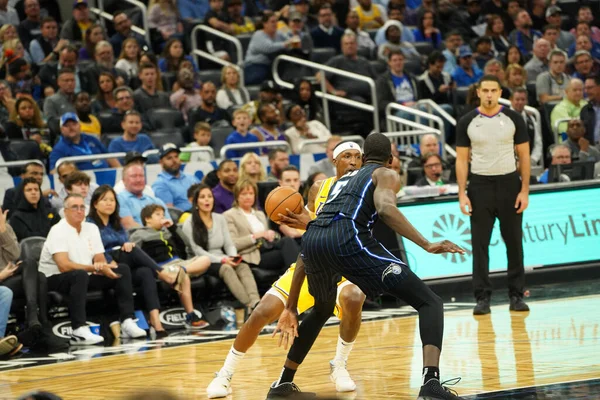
<point>492,139</point>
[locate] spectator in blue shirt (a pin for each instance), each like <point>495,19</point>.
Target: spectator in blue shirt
<point>467,72</point>
<point>74,143</point>
<point>171,185</point>
<point>132,139</point>
<point>133,198</point>
<point>241,122</point>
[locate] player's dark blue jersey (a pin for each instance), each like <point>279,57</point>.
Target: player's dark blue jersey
<point>351,197</point>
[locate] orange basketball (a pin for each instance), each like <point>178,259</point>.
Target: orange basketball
<point>281,198</point>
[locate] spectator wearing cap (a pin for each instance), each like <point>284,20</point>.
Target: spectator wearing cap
<point>483,51</point>
<point>518,101</point>
<point>264,46</point>
<point>584,14</point>
<point>63,171</point>
<point>240,23</point>
<point>67,58</point>
<point>47,46</point>
<point>303,7</point>
<point>148,97</point>
<point>134,157</point>
<point>590,113</point>
<point>393,35</point>
<point>75,27</point>
<point>133,199</point>
<point>327,34</point>
<point>30,26</point>
<point>171,185</point>
<point>553,17</point>
<point>89,123</point>
<point>550,85</point>
<point>63,101</point>
<point>74,143</point>
<point>122,24</point>
<point>208,110</point>
<point>585,65</point>
<point>269,93</point>
<point>364,39</point>
<point>295,29</point>
<point>570,106</point>
<point>8,15</point>
<point>132,139</point>
<point>539,62</point>
<point>524,36</point>
<point>467,72</point>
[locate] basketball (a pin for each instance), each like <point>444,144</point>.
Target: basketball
<point>281,198</point>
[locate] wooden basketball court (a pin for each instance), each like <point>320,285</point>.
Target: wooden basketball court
<point>557,342</point>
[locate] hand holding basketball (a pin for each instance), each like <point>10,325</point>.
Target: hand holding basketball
<point>280,199</point>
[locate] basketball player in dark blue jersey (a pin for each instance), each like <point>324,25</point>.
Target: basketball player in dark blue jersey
<point>339,243</point>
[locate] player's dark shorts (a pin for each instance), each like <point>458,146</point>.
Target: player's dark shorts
<point>334,251</point>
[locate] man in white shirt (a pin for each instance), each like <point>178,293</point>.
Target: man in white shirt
<point>73,261</point>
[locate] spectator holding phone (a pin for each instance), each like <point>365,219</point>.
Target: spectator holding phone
<point>208,235</point>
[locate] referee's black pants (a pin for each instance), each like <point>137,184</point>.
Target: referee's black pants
<point>494,197</point>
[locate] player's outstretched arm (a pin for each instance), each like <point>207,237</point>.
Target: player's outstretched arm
<point>387,184</point>
<point>288,321</point>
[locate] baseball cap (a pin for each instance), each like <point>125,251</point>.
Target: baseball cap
<point>167,148</point>
<point>66,117</point>
<point>269,86</point>
<point>553,10</point>
<point>295,16</point>
<point>132,156</point>
<point>464,51</point>
<point>80,2</point>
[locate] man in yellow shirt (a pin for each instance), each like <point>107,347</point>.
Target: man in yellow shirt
<point>347,157</point>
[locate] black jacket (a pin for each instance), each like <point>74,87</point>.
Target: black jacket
<point>49,75</point>
<point>386,91</point>
<point>588,116</point>
<point>28,221</point>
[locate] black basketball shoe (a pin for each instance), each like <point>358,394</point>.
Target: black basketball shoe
<point>433,390</point>
<point>287,390</point>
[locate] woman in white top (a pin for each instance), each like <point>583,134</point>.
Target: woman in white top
<point>208,235</point>
<point>231,93</point>
<point>129,58</point>
<point>304,130</point>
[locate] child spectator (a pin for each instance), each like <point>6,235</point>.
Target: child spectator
<point>173,56</point>
<point>241,122</point>
<point>129,59</point>
<point>202,137</point>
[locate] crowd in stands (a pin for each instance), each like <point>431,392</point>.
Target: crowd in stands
<point>81,87</point>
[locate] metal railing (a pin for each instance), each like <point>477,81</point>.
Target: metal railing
<point>555,131</point>
<point>142,31</point>
<point>252,146</point>
<point>354,138</point>
<point>394,124</point>
<point>530,110</point>
<point>200,149</point>
<point>20,163</point>
<point>432,106</point>
<point>326,97</point>
<point>92,157</point>
<point>196,52</point>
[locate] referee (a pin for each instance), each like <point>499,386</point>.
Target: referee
<point>492,133</point>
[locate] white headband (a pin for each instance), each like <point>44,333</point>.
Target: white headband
<point>342,147</point>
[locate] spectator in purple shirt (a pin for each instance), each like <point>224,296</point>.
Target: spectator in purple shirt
<point>223,192</point>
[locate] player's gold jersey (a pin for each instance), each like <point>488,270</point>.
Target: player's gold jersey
<point>284,283</point>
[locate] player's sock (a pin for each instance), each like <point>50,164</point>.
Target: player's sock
<point>343,350</point>
<point>231,362</point>
<point>430,373</point>
<point>287,376</point>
